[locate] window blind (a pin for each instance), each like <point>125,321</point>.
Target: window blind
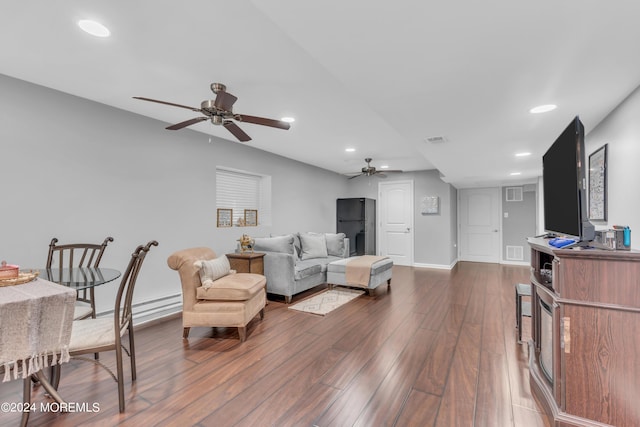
<point>239,190</point>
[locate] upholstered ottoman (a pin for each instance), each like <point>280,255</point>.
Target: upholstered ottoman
<point>379,272</point>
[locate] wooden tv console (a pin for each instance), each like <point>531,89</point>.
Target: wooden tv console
<point>584,356</point>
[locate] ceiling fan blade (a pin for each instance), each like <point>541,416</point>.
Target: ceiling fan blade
<point>187,123</point>
<point>391,170</point>
<point>168,103</point>
<point>380,175</point>
<point>236,131</point>
<point>355,176</point>
<point>262,121</point>
<point>224,101</point>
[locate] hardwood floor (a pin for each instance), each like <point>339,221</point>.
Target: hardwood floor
<point>438,350</point>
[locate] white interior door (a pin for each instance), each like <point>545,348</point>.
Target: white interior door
<point>395,221</point>
<point>479,216</point>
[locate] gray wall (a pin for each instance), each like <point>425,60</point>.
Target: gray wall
<point>433,233</point>
<point>621,131</point>
<point>81,171</point>
<point>520,222</point>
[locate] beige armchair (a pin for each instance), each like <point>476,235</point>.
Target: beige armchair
<point>231,301</point>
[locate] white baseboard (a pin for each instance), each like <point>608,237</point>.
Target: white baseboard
<point>523,263</point>
<point>436,266</point>
<point>152,310</point>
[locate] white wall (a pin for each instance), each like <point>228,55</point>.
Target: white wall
<point>80,171</point>
<point>621,131</point>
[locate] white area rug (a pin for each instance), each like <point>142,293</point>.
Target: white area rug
<point>326,301</point>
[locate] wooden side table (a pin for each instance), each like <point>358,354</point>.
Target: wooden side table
<point>247,262</point>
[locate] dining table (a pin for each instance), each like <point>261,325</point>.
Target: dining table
<point>79,278</point>
<point>35,330</point>
<point>36,320</point>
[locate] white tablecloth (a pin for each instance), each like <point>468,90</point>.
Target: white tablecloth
<point>35,323</point>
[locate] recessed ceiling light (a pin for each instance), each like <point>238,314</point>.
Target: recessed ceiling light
<point>543,108</point>
<point>349,150</point>
<point>515,173</point>
<point>94,28</point>
<point>384,167</point>
<point>288,119</point>
<point>522,154</point>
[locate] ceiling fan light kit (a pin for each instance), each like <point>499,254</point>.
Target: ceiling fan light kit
<point>371,170</point>
<point>220,112</point>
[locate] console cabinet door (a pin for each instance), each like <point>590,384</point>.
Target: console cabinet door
<point>601,365</point>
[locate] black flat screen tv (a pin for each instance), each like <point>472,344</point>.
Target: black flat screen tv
<point>564,181</point>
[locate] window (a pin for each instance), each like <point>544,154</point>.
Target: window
<point>240,190</point>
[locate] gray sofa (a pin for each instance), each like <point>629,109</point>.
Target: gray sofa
<point>296,262</point>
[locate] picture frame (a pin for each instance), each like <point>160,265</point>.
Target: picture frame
<point>250,217</point>
<point>430,205</point>
<point>598,184</point>
<point>224,218</point>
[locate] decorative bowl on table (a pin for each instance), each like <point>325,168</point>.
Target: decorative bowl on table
<point>11,275</point>
<point>8,271</point>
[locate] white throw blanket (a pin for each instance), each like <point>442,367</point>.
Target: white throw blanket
<point>35,324</point>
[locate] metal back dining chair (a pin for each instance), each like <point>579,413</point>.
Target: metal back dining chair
<point>105,334</point>
<point>76,255</point>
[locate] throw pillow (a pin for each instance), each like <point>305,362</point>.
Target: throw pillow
<point>212,270</point>
<point>313,245</point>
<point>335,244</point>
<point>296,242</point>
<point>283,244</point>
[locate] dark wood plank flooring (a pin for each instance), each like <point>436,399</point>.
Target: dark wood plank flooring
<point>439,349</point>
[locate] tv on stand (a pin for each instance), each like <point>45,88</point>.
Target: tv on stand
<point>565,186</point>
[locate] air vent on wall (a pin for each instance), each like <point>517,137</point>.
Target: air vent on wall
<point>515,253</point>
<point>436,139</point>
<point>514,194</point>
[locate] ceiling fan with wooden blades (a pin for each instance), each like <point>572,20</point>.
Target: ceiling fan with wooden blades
<point>220,112</point>
<point>371,170</point>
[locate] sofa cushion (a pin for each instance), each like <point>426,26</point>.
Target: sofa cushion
<point>233,287</point>
<point>335,243</point>
<point>314,245</point>
<point>306,268</point>
<point>296,242</point>
<point>211,270</point>
<point>282,244</point>
<point>324,262</point>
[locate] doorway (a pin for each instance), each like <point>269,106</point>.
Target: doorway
<point>395,221</point>
<point>479,216</point>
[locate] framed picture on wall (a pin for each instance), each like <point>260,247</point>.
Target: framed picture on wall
<point>225,217</point>
<point>250,217</point>
<point>598,184</point>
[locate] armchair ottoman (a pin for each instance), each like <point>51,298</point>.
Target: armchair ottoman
<point>232,300</point>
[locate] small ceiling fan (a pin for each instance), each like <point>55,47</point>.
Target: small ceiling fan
<point>370,170</point>
<point>220,112</point>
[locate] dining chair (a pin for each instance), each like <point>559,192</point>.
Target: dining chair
<point>105,334</point>
<point>77,255</point>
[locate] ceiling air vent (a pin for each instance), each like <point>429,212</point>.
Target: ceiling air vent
<point>436,139</point>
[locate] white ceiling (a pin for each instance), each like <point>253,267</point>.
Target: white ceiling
<point>379,76</point>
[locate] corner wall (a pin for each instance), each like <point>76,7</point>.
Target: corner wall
<point>621,131</point>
